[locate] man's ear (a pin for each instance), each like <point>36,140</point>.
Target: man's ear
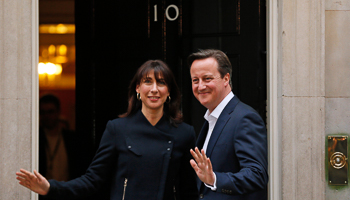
<point>227,79</point>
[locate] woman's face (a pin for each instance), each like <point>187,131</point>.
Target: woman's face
<point>153,93</point>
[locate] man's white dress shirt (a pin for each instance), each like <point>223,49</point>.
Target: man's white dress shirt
<point>212,118</point>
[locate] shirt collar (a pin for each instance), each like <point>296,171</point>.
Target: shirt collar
<point>217,111</point>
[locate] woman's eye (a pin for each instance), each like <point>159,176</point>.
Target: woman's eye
<point>162,82</point>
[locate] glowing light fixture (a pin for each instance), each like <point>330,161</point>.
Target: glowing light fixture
<point>51,29</point>
<point>61,29</point>
<point>61,59</point>
<point>41,68</point>
<point>49,68</point>
<point>52,49</point>
<point>62,50</point>
<point>57,28</point>
<point>58,69</point>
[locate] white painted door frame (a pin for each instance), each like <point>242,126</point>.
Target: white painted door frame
<point>273,102</point>
<point>35,88</point>
<point>272,97</point>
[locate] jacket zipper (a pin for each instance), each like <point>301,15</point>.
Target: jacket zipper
<point>125,184</point>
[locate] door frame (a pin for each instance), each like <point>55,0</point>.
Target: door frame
<point>35,89</point>
<point>273,102</point>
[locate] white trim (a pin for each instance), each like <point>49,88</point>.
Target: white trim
<point>35,89</point>
<point>272,94</point>
<point>273,102</point>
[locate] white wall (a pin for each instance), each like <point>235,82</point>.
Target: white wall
<point>337,59</point>
<point>18,93</point>
<point>302,82</point>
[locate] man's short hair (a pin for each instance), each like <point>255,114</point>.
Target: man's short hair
<point>50,98</point>
<point>224,64</point>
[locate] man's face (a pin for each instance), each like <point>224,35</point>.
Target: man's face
<point>49,115</point>
<point>207,85</point>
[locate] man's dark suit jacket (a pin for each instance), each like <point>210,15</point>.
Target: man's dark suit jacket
<point>238,152</point>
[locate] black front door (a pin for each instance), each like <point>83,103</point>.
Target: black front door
<point>113,38</point>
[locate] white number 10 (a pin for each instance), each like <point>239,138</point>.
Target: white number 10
<point>167,12</point>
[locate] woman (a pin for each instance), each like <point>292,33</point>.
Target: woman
<point>144,154</point>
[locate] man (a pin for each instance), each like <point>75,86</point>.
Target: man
<point>62,155</point>
<point>233,137</point>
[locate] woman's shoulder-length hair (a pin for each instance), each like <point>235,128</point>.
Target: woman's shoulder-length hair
<point>160,70</point>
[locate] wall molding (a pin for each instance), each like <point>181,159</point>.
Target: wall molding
<point>274,156</point>
<point>35,89</point>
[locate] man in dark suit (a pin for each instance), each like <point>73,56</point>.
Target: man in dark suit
<point>233,136</point>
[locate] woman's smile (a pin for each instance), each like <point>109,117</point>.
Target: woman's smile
<point>153,98</point>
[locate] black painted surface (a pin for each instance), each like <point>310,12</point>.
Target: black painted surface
<point>113,38</point>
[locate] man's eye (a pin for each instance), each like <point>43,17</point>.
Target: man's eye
<point>208,79</point>
<point>194,80</point>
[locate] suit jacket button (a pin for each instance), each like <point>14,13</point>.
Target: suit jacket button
<point>201,196</point>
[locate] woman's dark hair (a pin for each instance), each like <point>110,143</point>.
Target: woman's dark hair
<point>160,68</point>
<point>224,64</point>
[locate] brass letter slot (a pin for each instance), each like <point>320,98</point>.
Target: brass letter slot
<point>337,160</point>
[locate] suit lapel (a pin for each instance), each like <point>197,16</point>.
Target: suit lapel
<point>220,124</point>
<point>202,135</point>
<point>199,143</point>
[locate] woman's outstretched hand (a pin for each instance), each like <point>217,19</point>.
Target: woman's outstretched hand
<point>35,182</point>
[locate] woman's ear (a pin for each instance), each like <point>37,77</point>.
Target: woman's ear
<point>138,88</point>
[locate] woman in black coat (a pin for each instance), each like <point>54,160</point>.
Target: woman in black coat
<point>144,154</point>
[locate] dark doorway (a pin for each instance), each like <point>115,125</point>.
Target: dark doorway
<point>113,38</point>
